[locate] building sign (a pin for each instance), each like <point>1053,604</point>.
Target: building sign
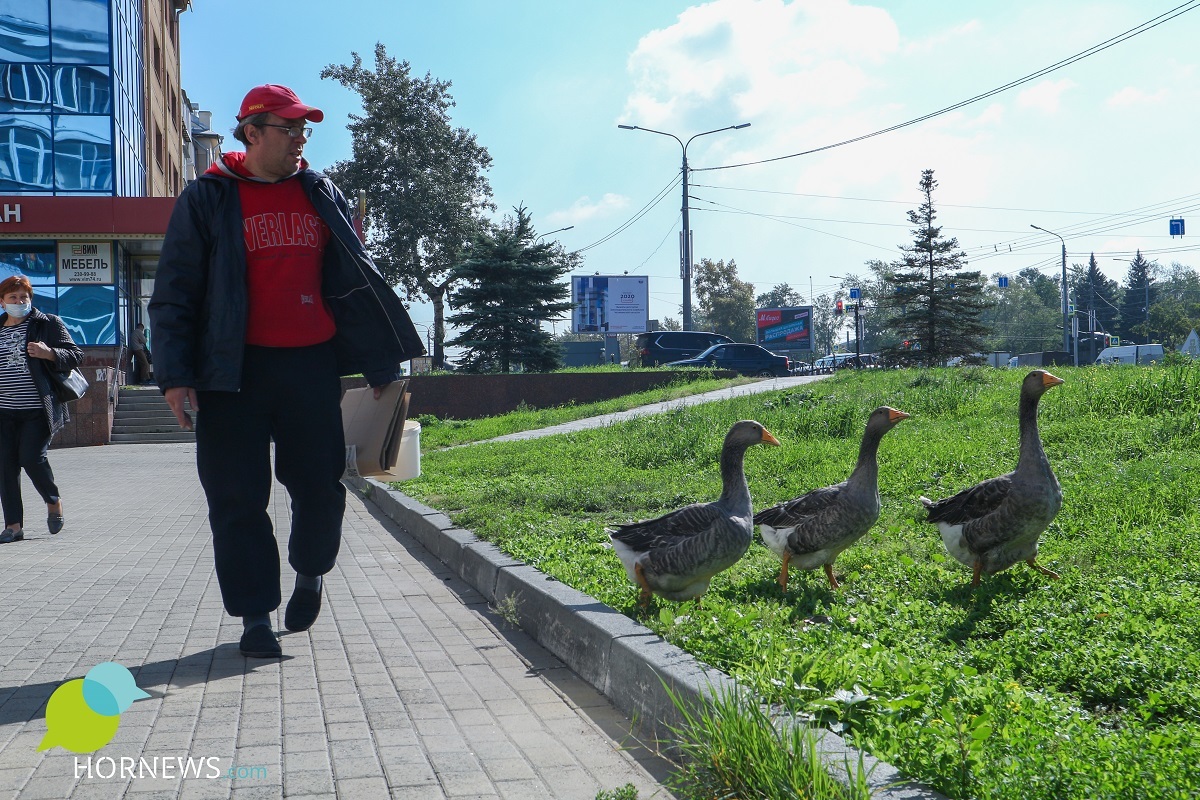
<point>609,303</point>
<point>85,262</point>
<point>785,328</point>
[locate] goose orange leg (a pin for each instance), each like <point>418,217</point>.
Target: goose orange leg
<point>833,584</point>
<point>975,577</point>
<point>1033,563</point>
<point>783,572</point>
<point>644,599</point>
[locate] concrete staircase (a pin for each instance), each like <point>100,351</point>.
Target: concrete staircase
<point>144,416</point>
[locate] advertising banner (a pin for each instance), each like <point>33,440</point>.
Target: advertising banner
<point>785,328</point>
<point>609,303</point>
<point>85,262</point>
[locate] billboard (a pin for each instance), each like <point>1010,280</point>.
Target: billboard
<point>785,328</point>
<point>609,303</point>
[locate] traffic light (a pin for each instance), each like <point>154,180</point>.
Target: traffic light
<point>838,308</point>
<point>1107,340</point>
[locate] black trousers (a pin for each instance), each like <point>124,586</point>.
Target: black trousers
<point>24,440</point>
<point>292,397</point>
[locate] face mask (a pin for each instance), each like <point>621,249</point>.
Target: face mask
<point>18,309</point>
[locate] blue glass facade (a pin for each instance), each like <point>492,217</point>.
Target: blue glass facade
<point>58,107</point>
<point>71,123</point>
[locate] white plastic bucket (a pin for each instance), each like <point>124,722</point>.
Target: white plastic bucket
<point>408,459</point>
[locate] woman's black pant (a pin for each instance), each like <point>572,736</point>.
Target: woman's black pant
<point>290,396</point>
<point>24,440</point>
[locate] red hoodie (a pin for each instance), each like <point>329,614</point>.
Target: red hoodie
<point>285,244</point>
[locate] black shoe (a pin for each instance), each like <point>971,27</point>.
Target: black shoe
<point>302,609</point>
<point>55,522</point>
<point>260,642</point>
<point>10,535</point>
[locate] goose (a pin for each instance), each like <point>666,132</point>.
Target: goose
<point>996,523</point>
<point>676,555</point>
<point>813,529</point>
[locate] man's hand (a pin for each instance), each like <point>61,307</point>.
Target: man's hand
<point>176,396</point>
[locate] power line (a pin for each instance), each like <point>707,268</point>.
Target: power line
<point>658,198</point>
<point>1091,51</point>
<point>897,202</point>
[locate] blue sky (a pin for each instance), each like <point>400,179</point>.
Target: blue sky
<point>1101,151</point>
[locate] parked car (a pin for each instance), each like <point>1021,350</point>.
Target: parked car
<point>663,347</point>
<point>746,359</point>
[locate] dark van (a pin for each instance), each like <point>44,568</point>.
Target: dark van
<point>662,347</point>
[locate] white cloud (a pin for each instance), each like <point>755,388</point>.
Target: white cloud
<point>745,58</point>
<point>941,38</point>
<point>1045,96</point>
<point>1132,96</point>
<point>585,209</point>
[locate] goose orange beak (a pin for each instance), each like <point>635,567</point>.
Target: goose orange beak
<point>767,438</point>
<point>1049,380</point>
<point>895,415</point>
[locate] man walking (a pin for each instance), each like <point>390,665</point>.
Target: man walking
<point>265,296</point>
<point>137,350</point>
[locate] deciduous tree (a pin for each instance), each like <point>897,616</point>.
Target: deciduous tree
<point>724,301</point>
<point>424,178</point>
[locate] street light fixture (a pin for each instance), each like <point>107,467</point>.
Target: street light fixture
<point>1066,327</point>
<point>686,267</point>
<point>560,230</point>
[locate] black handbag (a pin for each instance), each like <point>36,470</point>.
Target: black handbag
<point>68,386</point>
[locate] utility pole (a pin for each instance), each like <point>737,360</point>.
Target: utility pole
<point>685,245</point>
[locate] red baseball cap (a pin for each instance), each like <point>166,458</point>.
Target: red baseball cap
<point>272,98</point>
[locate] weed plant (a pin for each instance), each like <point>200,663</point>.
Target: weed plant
<point>438,433</point>
<point>1086,687</point>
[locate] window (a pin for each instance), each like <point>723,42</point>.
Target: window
<point>25,153</point>
<point>158,145</point>
<point>26,87</point>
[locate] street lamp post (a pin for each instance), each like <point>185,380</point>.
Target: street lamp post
<point>686,270</point>
<point>560,230</point>
<point>1066,326</point>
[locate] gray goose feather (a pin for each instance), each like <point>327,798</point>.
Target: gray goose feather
<point>676,555</point>
<point>812,530</point>
<point>996,523</point>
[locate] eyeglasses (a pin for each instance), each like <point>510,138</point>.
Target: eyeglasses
<point>294,131</point>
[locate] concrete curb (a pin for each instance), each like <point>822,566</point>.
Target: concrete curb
<point>625,661</point>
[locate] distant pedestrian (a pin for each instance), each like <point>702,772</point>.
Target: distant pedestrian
<point>264,296</point>
<point>31,344</point>
<point>140,354</point>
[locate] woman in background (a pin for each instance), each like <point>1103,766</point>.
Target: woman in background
<point>31,343</point>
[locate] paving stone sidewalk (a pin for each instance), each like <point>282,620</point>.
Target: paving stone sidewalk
<point>408,686</point>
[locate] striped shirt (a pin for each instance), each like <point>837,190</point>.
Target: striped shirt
<point>17,389</point>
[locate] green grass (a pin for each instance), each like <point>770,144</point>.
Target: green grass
<point>1086,687</point>
<point>438,433</point>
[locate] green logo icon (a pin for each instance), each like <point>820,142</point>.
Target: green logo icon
<point>82,714</point>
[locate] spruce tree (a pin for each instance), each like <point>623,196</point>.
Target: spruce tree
<point>1139,295</point>
<point>936,306</point>
<point>1094,292</point>
<point>508,286</point>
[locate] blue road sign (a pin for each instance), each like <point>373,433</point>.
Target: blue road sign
<point>855,294</point>
<point>1002,282</point>
<point>1177,227</point>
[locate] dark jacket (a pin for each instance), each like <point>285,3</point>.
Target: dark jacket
<point>50,331</point>
<point>198,310</point>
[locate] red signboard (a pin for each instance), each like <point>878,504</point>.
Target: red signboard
<point>106,217</point>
